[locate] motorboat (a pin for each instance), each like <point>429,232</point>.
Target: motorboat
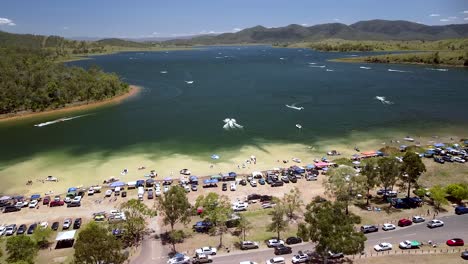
<point>299,126</point>
<point>410,139</point>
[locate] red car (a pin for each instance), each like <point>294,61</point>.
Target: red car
<point>46,200</point>
<point>56,203</point>
<point>404,222</point>
<point>455,242</point>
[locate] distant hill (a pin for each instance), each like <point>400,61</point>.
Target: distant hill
<point>29,40</point>
<point>122,43</point>
<point>363,30</point>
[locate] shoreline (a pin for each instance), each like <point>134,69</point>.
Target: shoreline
<point>78,106</point>
<point>362,60</point>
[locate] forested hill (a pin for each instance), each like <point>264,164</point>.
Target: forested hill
<point>123,43</point>
<point>30,41</point>
<point>363,30</point>
<point>31,80</point>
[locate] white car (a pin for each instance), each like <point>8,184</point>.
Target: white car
<point>157,192</point>
<point>44,225</point>
<point>67,223</point>
<point>300,258</point>
<point>166,189</point>
<point>335,255</point>
<point>206,250</point>
<point>10,230</point>
<point>418,219</point>
<point>233,186</point>
<point>435,223</point>
<point>276,260</point>
<point>108,193</point>
<point>179,259</point>
<point>383,246</point>
<point>268,205</point>
<point>387,227</point>
<point>274,242</point>
<point>33,204</point>
<point>77,199</point>
<point>187,188</point>
<point>458,159</point>
<point>2,230</point>
<point>240,206</point>
<point>21,204</point>
<point>91,191</point>
<point>253,183</point>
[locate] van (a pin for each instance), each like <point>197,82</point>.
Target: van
<point>141,191</point>
<point>117,191</point>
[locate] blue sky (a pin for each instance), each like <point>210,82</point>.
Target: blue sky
<point>169,18</point>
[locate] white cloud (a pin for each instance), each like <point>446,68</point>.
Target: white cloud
<point>466,18</point>
<point>434,15</point>
<point>444,20</point>
<point>65,28</point>
<point>236,29</point>
<point>6,22</point>
<point>336,19</point>
<point>155,33</point>
<point>304,25</point>
<point>465,12</point>
<point>452,17</point>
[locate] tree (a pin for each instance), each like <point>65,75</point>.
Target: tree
<point>174,207</point>
<point>95,245</point>
<point>344,184</point>
<point>217,209</point>
<point>438,196</point>
<point>278,223</point>
<point>389,170</point>
<point>331,229</point>
<point>41,237</point>
<point>21,248</point>
<point>243,226</point>
<point>459,191</point>
<point>135,224</point>
<point>411,169</point>
<point>371,172</point>
<point>292,202</point>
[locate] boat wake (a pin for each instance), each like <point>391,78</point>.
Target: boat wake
<point>391,70</point>
<point>383,100</point>
<point>189,82</point>
<point>163,72</point>
<point>293,106</point>
<point>231,123</point>
<point>317,66</point>
<point>365,68</point>
<point>59,120</point>
<point>435,69</point>
<point>330,70</point>
<point>312,63</point>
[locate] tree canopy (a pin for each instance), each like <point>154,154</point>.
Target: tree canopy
<point>96,245</point>
<point>278,224</point>
<point>411,169</point>
<point>32,81</point>
<point>21,248</point>
<point>135,225</point>
<point>331,229</point>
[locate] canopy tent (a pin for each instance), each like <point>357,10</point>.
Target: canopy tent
<point>298,169</point>
<point>72,189</point>
<point>149,181</point>
<point>66,235</point>
<point>216,176</point>
<point>210,181</point>
<point>131,184</point>
<point>310,166</point>
<point>117,184</point>
<point>215,157</point>
<point>232,174</point>
<point>140,183</point>
<point>439,145</point>
<point>321,164</point>
<point>4,198</point>
<point>369,153</point>
<point>257,173</point>
<point>168,179</point>
<point>35,196</point>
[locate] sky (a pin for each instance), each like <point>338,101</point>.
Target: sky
<point>172,18</point>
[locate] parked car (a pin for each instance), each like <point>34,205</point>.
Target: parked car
<point>404,222</point>
<point>10,230</point>
<point>2,230</point>
<point>277,184</point>
<point>206,251</point>
<point>239,207</point>
<point>201,258</point>
<point>194,188</point>
<point>33,204</point>
<point>459,160</point>
<point>435,223</point>
<point>77,223</point>
<point>282,249</point>
<point>293,240</point>
<point>464,255</point>
<point>21,229</point>
<point>335,255</point>
<point>459,210</point>
<point>55,225</point>
<point>248,245</point>
<point>418,219</point>
<point>179,259</point>
<point>150,194</point>
<point>32,228</point>
<point>439,160</point>
<point>383,246</point>
<point>46,200</point>
<point>74,204</point>
<point>276,260</point>
<point>387,227</point>
<point>124,194</point>
<point>274,242</point>
<point>407,244</point>
<point>233,186</point>
<point>10,208</point>
<point>253,183</point>
<point>261,181</point>
<point>455,242</point>
<point>224,187</point>
<point>66,223</point>
<point>285,179</point>
<point>292,178</point>
<point>266,205</point>
<point>369,229</point>
<point>44,225</point>
<point>300,258</point>
<point>56,203</point>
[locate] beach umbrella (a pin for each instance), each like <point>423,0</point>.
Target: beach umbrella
<point>232,174</point>
<point>71,189</point>
<point>325,168</point>
<point>216,176</point>
<point>193,178</point>
<point>439,145</point>
<point>4,198</point>
<point>215,157</point>
<point>310,166</point>
<point>168,179</point>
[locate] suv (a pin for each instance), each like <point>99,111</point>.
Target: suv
<point>248,245</point>
<point>418,219</point>
<point>368,229</point>
<point>459,210</point>
<point>74,204</point>
<point>56,203</point>
<point>277,183</point>
<point>293,240</point>
<point>77,223</point>
<point>282,249</point>
<point>10,230</point>
<point>274,242</point>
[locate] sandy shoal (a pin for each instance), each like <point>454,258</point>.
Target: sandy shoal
<point>94,168</point>
<point>74,107</point>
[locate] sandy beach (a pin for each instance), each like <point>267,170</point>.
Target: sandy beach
<point>134,90</point>
<point>94,168</point>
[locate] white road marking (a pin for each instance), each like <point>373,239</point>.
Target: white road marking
<point>410,234</point>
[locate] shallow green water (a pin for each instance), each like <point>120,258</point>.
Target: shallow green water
<point>252,85</point>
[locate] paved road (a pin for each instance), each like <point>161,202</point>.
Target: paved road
<point>455,226</point>
<point>152,250</point>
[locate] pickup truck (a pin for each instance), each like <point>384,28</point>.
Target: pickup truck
<point>202,258</point>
